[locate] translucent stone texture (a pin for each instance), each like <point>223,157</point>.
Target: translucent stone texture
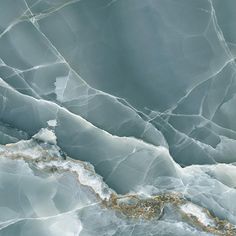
<point>142,90</point>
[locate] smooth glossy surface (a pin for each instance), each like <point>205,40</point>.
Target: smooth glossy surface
<point>144,91</point>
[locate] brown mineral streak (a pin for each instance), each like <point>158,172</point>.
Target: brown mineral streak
<point>152,208</point>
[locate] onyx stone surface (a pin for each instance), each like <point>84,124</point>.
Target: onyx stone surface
<point>117,117</point>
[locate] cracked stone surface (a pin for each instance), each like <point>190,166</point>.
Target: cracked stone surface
<point>117,117</point>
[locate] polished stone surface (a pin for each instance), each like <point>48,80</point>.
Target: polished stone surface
<point>144,91</point>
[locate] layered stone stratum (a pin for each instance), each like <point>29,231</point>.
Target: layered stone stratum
<point>117,117</point>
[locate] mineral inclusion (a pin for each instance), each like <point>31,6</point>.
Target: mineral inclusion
<point>117,117</point>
